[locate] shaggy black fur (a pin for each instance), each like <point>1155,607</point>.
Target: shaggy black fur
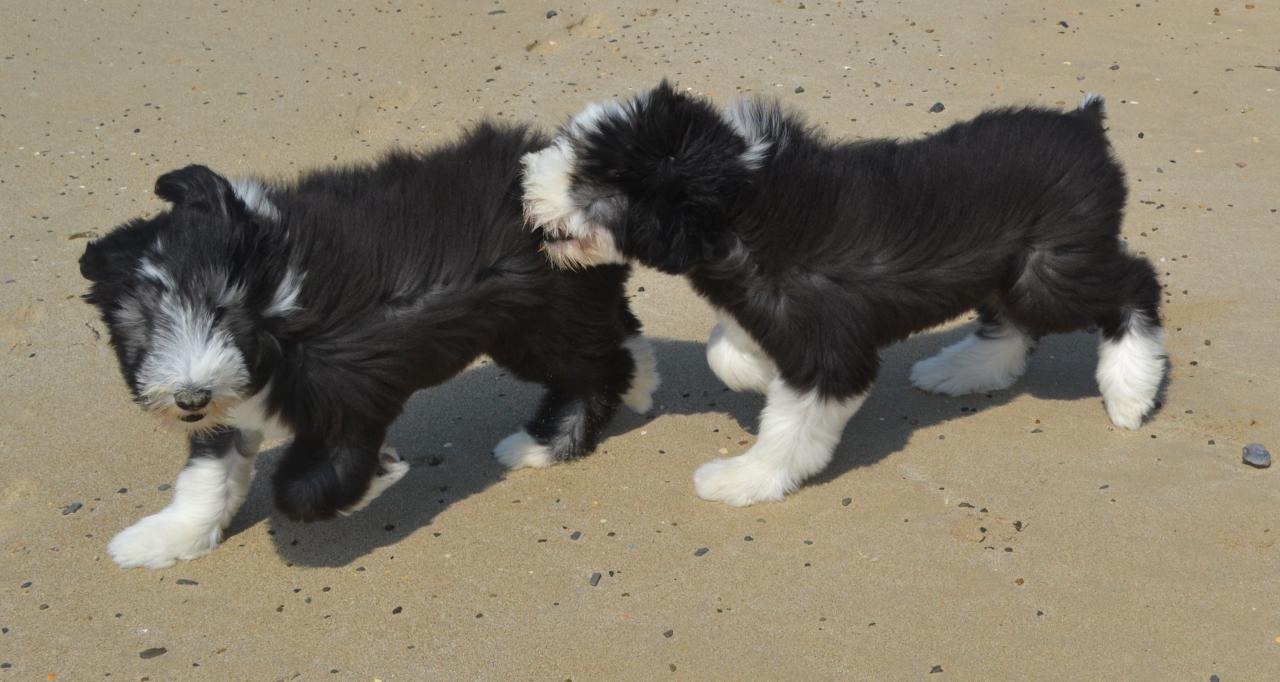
<point>409,270</point>
<point>826,251</point>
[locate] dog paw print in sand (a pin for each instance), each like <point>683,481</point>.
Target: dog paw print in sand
<point>383,111</point>
<point>17,324</point>
<point>593,26</point>
<point>992,532</point>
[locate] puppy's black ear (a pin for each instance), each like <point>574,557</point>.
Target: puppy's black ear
<point>681,240</point>
<point>95,263</point>
<point>200,189</point>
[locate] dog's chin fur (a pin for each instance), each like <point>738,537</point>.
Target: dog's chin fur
<point>818,253</point>
<point>316,308</point>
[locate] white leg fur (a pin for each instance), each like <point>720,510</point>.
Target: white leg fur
<point>520,450</point>
<point>207,494</point>
<point>639,397</point>
<point>736,359</point>
<point>987,361</point>
<point>1129,371</point>
<point>393,468</point>
<point>798,434</point>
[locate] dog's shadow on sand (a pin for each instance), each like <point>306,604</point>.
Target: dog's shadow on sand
<point>447,434</point>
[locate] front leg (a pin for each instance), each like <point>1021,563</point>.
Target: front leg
<point>799,431</point>
<point>736,359</point>
<point>317,480</point>
<point>209,490</point>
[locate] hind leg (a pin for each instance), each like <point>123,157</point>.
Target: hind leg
<point>1131,356</point>
<point>990,359</point>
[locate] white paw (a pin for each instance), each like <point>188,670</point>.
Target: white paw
<point>1128,413</point>
<point>735,361</point>
<point>160,540</point>
<point>974,368</point>
<point>391,468</point>
<point>520,450</point>
<point>740,481</point>
<point>639,397</point>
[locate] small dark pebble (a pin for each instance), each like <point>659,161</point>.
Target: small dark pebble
<point>1255,455</point>
<point>575,535</point>
<point>935,669</point>
<point>162,487</point>
<point>937,108</point>
<point>1037,430</point>
<point>71,508</point>
<point>122,491</point>
<point>397,610</point>
<point>846,502</point>
<point>551,13</point>
<point>595,579</point>
<point>965,505</point>
<point>44,607</point>
<point>25,584</point>
<point>1214,678</point>
<point>153,652</point>
<point>1063,24</point>
<point>701,551</point>
<point>748,538</point>
<point>186,581</point>
<point>6,665</point>
<point>799,89</point>
<point>497,11</point>
<point>1114,67</point>
<point>669,634</point>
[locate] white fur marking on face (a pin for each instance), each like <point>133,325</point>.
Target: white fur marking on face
<point>1130,369</point>
<point>520,450</point>
<point>187,350</point>
<point>253,194</point>
<point>977,363</point>
<point>150,270</point>
<point>547,181</point>
<point>285,299</point>
<point>639,396</point>
<point>748,117</point>
<point>798,434</point>
<point>393,469</point>
<point>1091,98</point>
<point>250,415</point>
<point>736,359</point>
<point>206,496</point>
<point>588,120</point>
<point>549,205</point>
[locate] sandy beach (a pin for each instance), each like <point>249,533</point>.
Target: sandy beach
<point>1014,536</point>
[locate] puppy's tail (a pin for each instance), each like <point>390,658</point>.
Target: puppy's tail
<point>1092,107</point>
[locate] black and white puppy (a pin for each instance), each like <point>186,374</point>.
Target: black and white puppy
<point>816,253</point>
<point>315,309</point>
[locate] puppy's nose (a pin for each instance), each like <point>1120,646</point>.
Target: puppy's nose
<point>192,399</point>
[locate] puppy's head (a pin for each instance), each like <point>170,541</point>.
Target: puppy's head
<point>652,179</point>
<point>179,302</point>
